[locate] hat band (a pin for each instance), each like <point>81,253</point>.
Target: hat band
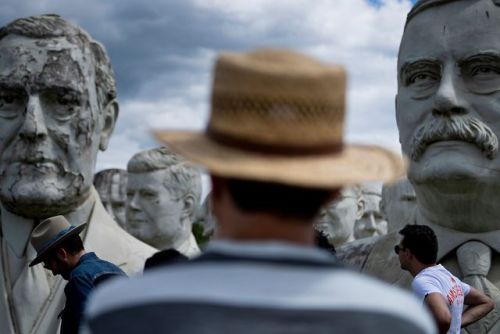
<point>286,150</point>
<point>47,244</point>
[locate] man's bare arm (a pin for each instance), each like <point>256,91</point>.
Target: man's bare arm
<point>479,306</point>
<point>439,309</point>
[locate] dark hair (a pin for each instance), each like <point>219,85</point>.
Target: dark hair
<point>72,245</point>
<point>279,199</point>
<point>421,241</point>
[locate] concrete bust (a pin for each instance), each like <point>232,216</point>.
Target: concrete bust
<point>372,222</point>
<point>58,108</point>
<point>447,115</point>
<point>163,194</point>
<point>336,221</point>
<point>111,184</point>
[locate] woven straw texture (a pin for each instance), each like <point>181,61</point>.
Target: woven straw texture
<point>292,104</point>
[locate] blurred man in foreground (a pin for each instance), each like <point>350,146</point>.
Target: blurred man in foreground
<point>264,274</point>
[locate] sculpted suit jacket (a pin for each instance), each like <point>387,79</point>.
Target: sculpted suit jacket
<point>102,236</point>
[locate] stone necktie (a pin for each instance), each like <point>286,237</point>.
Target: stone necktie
<point>474,259</point>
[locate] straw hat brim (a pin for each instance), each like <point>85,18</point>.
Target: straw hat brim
<point>355,164</point>
<point>41,255</point>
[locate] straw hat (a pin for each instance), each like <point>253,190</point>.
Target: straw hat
<point>278,116</point>
<point>49,234</point>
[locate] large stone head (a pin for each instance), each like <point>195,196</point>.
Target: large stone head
<point>163,194</point>
<point>57,109</point>
<point>447,109</point>
<point>111,184</point>
<point>336,221</point>
<point>372,222</point>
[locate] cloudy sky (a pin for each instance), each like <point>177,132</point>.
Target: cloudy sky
<point>162,52</point>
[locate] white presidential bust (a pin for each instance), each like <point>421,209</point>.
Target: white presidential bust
<point>111,185</point>
<point>336,221</point>
<point>447,112</point>
<point>57,110</point>
<point>163,197</point>
<point>372,222</point>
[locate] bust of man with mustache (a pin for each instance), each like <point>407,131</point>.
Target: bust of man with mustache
<point>448,116</point>
<point>57,110</point>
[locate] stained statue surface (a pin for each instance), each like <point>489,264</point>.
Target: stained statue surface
<point>399,204</point>
<point>163,197</point>
<point>57,109</point>
<point>336,222</point>
<point>111,185</point>
<point>447,115</point>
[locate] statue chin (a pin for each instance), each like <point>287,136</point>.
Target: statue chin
<point>32,199</point>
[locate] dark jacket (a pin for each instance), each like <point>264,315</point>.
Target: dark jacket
<point>88,273</point>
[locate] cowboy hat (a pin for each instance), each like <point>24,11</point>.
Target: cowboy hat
<point>49,234</point>
<point>278,116</point>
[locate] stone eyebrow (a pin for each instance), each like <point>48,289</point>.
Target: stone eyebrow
<point>73,89</point>
<point>410,66</point>
<point>9,84</point>
<point>490,56</point>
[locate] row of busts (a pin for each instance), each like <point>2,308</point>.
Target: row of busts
<point>149,199</point>
<point>367,211</point>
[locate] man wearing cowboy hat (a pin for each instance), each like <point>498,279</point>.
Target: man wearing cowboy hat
<point>275,153</point>
<point>60,248</point>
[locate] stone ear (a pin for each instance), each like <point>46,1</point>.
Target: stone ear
<point>188,206</point>
<point>360,209</point>
<point>110,114</point>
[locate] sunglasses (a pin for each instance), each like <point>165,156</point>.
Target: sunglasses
<point>398,248</point>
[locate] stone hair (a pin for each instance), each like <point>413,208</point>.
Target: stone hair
<point>180,177</point>
<point>422,5</point>
<point>354,191</point>
<point>53,26</point>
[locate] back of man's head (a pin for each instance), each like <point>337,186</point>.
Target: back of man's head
<point>277,199</point>
<point>421,241</point>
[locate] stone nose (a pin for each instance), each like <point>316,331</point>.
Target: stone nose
<point>33,127</point>
<point>448,99</point>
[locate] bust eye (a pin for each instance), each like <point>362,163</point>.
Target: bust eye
<point>67,99</point>
<point>484,70</point>
<point>11,103</point>
<point>421,78</point>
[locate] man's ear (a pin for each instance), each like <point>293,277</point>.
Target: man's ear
<point>110,114</point>
<point>61,254</point>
